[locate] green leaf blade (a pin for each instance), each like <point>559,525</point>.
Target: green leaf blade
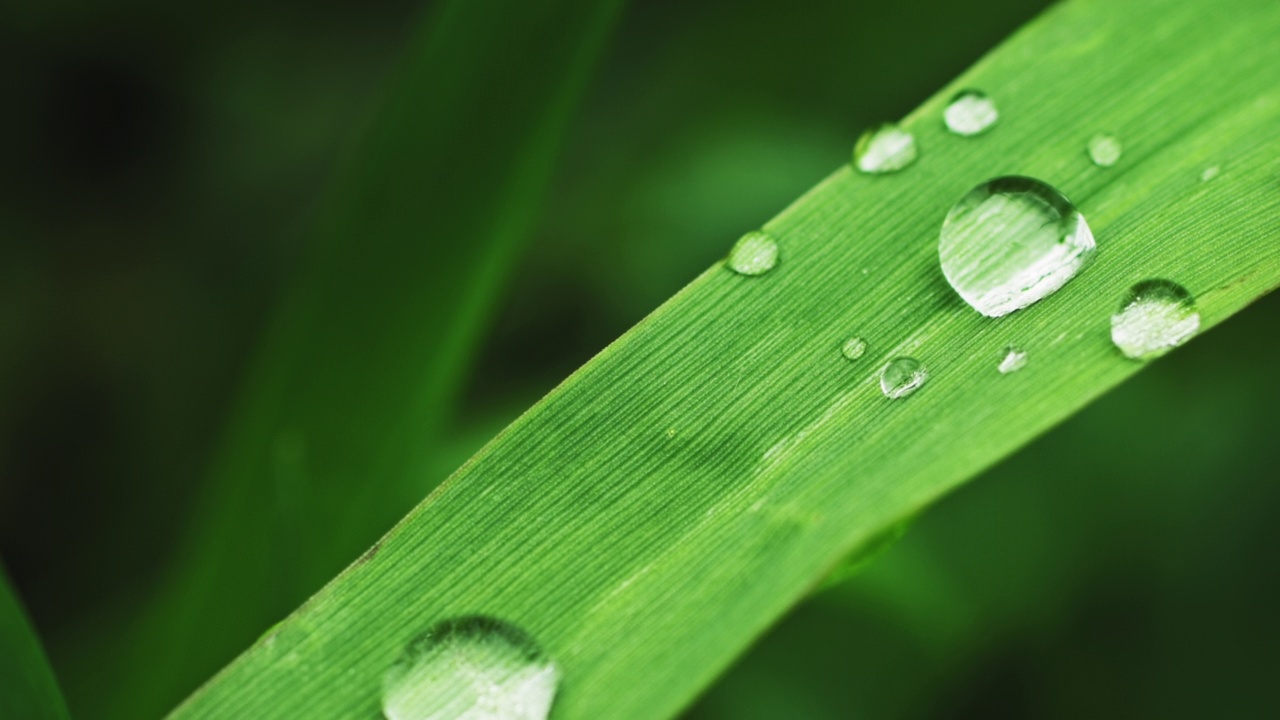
<point>684,489</point>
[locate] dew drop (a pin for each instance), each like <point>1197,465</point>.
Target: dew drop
<point>755,253</point>
<point>1014,360</point>
<point>970,113</point>
<point>1155,317</point>
<point>470,668</point>
<point>1104,149</point>
<point>854,348</point>
<point>901,377</point>
<point>884,149</point>
<point>1210,173</point>
<point>1010,242</point>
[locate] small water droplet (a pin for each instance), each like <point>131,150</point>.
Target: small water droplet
<point>1014,360</point>
<point>901,377</point>
<point>1155,317</point>
<point>472,668</point>
<point>854,348</point>
<point>755,253</point>
<point>1010,242</point>
<point>970,113</point>
<point>1105,149</point>
<point>884,149</point>
<point>1210,173</point>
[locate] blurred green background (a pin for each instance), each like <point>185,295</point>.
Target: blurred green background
<point>160,162</point>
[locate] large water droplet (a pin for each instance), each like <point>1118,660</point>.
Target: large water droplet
<point>471,668</point>
<point>1010,242</point>
<point>970,113</point>
<point>754,254</point>
<point>1014,360</point>
<point>1155,317</point>
<point>854,348</point>
<point>1210,173</point>
<point>1104,150</point>
<point>884,149</point>
<point>901,377</point>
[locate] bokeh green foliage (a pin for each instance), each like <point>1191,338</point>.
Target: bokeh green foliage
<point>28,688</point>
<point>707,119</point>
<point>332,435</point>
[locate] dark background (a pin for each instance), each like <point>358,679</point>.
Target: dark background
<point>158,161</point>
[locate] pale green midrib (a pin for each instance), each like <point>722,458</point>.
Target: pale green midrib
<point>597,651</point>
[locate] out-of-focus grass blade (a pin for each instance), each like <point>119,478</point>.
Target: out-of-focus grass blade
<point>669,501</point>
<point>329,441</point>
<point>28,688</point>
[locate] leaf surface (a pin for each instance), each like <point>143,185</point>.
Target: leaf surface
<point>680,492</point>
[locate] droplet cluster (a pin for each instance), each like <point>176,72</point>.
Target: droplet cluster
<point>1005,245</point>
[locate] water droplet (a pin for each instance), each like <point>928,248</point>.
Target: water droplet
<point>1010,242</point>
<point>1210,173</point>
<point>1104,149</point>
<point>970,113</point>
<point>854,348</point>
<point>1155,317</point>
<point>755,253</point>
<point>1014,360</point>
<point>901,377</point>
<point>472,668</point>
<point>884,149</point>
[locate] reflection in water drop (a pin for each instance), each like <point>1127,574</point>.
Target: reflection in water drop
<point>1013,361</point>
<point>1010,242</point>
<point>755,253</point>
<point>970,113</point>
<point>1155,317</point>
<point>470,668</point>
<point>853,348</point>
<point>1105,150</point>
<point>901,377</point>
<point>884,149</point>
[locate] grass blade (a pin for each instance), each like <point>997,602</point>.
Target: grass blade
<point>680,492</point>
<point>28,688</point>
<point>335,426</point>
